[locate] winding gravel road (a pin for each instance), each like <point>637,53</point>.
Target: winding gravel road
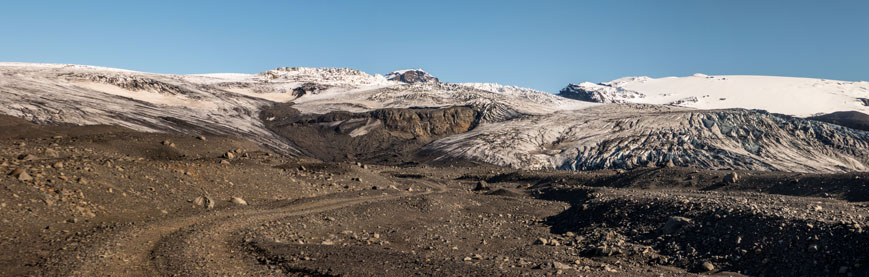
<point>200,245</point>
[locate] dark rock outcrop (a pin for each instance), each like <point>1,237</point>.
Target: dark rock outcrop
<point>412,76</point>
<point>380,136</point>
<point>853,120</point>
<point>309,88</point>
<point>598,93</point>
<point>133,83</point>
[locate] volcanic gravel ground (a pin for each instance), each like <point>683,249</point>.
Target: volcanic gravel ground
<point>101,200</point>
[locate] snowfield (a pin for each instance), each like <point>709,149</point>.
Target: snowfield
<point>801,97</point>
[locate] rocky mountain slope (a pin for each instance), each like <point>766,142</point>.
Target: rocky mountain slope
<point>86,95</point>
<point>409,115</point>
<point>230,104</point>
<point>786,95</point>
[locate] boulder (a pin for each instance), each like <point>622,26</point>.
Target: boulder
<point>674,224</point>
<point>238,201</point>
<point>21,174</point>
<point>731,178</point>
<point>482,185</point>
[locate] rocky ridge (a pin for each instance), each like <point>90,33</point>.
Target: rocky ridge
<point>503,125</point>
<point>598,93</point>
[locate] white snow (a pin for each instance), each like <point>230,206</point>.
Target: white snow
<point>787,95</point>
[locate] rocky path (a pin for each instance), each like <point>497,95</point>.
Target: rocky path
<point>199,245</point>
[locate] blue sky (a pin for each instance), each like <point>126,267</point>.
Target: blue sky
<point>538,44</point>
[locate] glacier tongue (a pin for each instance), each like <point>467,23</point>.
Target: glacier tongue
<point>630,136</point>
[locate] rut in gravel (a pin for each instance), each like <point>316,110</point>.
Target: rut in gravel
<point>152,250</point>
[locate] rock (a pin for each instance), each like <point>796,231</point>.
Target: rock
<point>199,201</point>
<point>603,251</point>
<point>707,266</point>
<point>51,153</point>
<point>481,185</point>
<point>204,201</point>
<point>16,172</point>
<point>209,204</point>
<point>670,164</point>
<point>228,155</point>
<point>558,265</point>
<point>843,269</point>
<point>674,223</point>
<point>541,241</point>
<point>166,142</point>
<point>201,138</point>
<point>238,201</point>
<point>411,76</point>
<point>27,157</point>
<point>731,178</point>
<point>590,92</point>
<point>224,162</point>
<point>57,165</point>
<point>309,88</point>
<point>21,174</point>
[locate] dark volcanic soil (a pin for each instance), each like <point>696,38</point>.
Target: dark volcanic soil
<point>104,200</point>
<point>385,136</point>
<point>852,119</point>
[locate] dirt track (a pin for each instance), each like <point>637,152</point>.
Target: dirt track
<point>132,252</point>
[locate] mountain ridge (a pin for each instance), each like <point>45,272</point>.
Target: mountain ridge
<point>502,125</point>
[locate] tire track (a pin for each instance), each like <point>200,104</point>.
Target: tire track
<point>203,240</point>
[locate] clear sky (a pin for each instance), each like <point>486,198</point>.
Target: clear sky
<point>538,44</point>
